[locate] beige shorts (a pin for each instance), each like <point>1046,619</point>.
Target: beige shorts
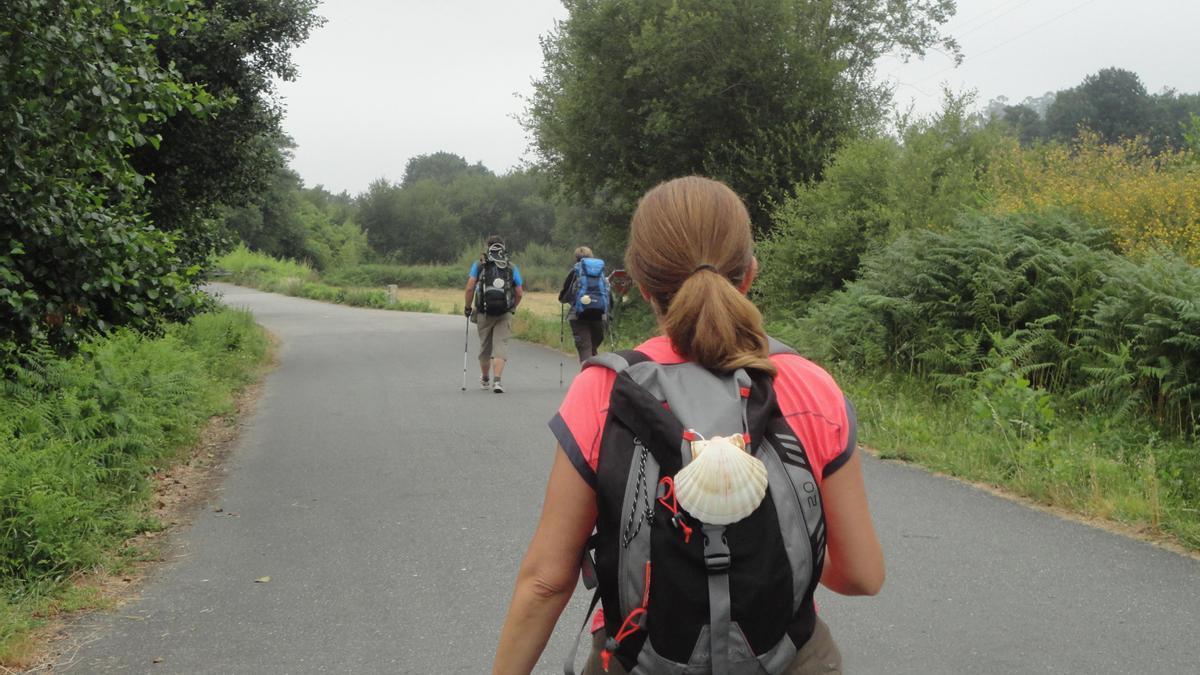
<point>819,655</point>
<point>494,332</point>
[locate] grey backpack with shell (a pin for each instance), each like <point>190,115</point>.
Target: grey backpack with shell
<point>681,594</point>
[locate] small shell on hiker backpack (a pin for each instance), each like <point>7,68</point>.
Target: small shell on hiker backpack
<point>723,483</point>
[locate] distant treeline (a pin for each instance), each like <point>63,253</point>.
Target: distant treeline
<point>442,206</point>
<point>1113,103</point>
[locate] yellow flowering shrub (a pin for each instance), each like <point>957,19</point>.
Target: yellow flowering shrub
<point>1147,201</point>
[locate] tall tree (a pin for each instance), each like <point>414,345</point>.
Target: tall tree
<point>755,92</point>
<point>410,224</point>
<point>80,85</point>
<point>440,166</point>
<point>271,224</point>
<point>239,50</point>
<point>1171,117</point>
<point>1025,121</point>
<point>1113,103</point>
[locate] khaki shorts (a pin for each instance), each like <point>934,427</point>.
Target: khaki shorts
<point>819,655</point>
<point>494,332</point>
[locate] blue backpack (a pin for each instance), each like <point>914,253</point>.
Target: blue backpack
<point>591,290</point>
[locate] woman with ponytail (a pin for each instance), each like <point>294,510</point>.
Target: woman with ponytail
<point>619,431</point>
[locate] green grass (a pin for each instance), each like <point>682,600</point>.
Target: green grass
<point>79,439</point>
<point>247,268</point>
<point>361,285</point>
<point>1124,473</point>
<point>405,276</point>
<point>535,277</point>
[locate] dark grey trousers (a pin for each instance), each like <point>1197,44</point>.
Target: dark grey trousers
<point>589,336</point>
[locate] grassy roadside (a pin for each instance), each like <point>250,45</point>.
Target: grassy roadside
<point>299,280</point>
<point>1083,464</point>
<point>255,270</point>
<point>80,439</point>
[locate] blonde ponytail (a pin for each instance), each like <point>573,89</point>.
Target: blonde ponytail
<point>712,323</point>
<point>690,246</point>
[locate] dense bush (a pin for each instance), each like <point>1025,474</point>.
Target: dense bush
<point>545,256</point>
<point>1142,340</point>
<point>1040,295</point>
<point>79,437</point>
<point>80,91</point>
<point>247,267</point>
<point>358,286</point>
<point>408,276</point>
<point>873,190</point>
<point>289,222</point>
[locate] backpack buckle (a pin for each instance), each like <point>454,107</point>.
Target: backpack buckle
<point>716,551</point>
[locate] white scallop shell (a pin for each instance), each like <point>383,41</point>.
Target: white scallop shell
<point>723,483</point>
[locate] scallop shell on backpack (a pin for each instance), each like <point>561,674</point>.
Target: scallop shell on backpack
<point>723,483</point>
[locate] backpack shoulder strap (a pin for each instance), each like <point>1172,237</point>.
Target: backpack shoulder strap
<point>617,362</point>
<point>774,347</point>
<point>637,400</point>
<point>644,414</point>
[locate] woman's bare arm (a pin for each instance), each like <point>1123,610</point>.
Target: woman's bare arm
<point>550,569</point>
<point>854,560</point>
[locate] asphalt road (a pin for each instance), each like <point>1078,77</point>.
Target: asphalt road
<point>390,511</point>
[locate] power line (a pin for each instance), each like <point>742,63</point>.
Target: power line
<point>984,14</point>
<point>992,20</point>
<point>1007,7</point>
<point>1016,37</point>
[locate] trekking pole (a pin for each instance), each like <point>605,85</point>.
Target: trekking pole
<point>466,339</point>
<point>611,321</point>
<point>562,317</point>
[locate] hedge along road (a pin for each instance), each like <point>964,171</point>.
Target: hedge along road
<point>390,511</point>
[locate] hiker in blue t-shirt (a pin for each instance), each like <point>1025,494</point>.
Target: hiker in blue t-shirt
<point>494,290</point>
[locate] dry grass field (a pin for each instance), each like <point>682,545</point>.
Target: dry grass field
<point>449,300</point>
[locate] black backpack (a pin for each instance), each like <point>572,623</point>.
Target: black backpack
<point>494,293</point>
<point>681,595</point>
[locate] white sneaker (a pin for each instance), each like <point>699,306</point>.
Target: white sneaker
<point>484,384</point>
<point>498,388</point>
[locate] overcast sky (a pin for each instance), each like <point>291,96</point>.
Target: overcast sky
<point>385,80</point>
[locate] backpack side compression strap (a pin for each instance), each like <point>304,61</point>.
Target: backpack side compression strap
<point>569,665</point>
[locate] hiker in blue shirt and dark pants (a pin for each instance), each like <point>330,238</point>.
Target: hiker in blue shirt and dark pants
<point>588,310</point>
